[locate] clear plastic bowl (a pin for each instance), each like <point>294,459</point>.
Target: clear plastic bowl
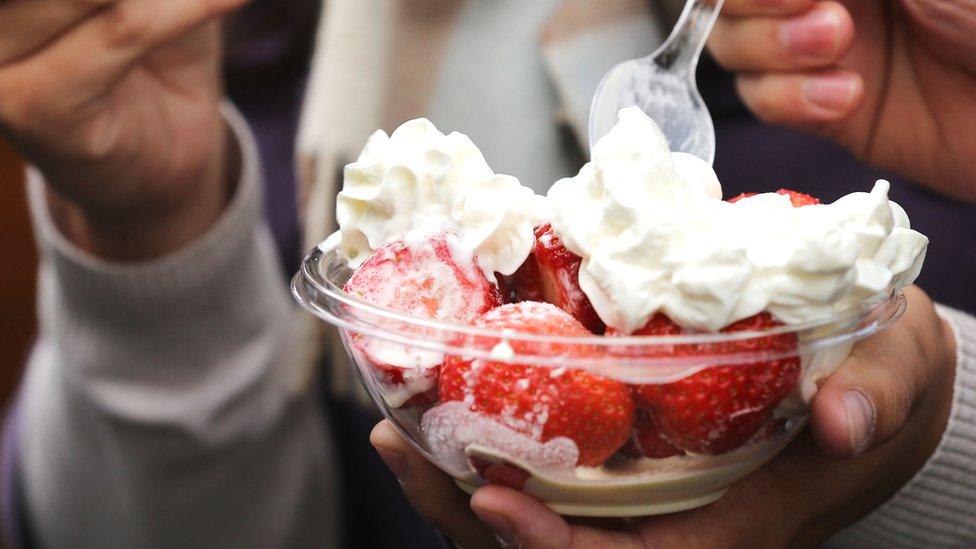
<point>462,442</point>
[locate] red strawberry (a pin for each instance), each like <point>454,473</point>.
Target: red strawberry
<point>720,408</point>
<point>797,198</point>
<point>551,274</point>
<point>737,198</point>
<point>526,283</point>
<point>648,440</point>
<point>538,401</point>
<point>425,280</point>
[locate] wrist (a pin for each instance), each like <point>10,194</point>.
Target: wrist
<point>943,392</point>
<point>162,227</point>
<point>935,403</point>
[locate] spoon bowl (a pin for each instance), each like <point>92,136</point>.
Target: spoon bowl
<point>663,86</point>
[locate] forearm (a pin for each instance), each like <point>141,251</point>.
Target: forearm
<point>935,507</point>
<point>159,407</point>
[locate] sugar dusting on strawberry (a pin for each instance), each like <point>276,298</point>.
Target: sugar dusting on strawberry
<point>541,402</point>
<point>421,275</point>
<point>722,407</point>
<point>551,274</point>
<point>450,428</point>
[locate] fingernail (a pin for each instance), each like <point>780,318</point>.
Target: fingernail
<point>500,525</point>
<point>812,35</point>
<point>395,462</point>
<point>834,92</point>
<point>860,420</point>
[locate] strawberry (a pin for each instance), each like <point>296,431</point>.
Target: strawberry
<point>737,198</point>
<point>538,401</point>
<point>720,408</point>
<point>422,279</point>
<point>551,274</point>
<point>526,283</point>
<point>797,198</point>
<point>648,440</point>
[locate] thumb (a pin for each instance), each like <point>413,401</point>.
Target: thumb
<point>519,520</point>
<point>869,398</point>
<point>859,406</point>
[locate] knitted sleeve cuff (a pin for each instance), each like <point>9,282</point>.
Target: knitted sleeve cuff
<point>936,507</point>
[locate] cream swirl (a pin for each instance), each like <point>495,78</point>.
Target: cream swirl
<point>419,177</point>
<point>655,236</point>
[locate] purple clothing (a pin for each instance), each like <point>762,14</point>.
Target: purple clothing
<point>268,45</point>
<point>272,110</point>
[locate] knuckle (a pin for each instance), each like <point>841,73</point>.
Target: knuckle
<point>792,105</point>
<point>721,55</point>
<point>98,142</point>
<point>898,397</point>
<point>124,28</point>
<point>18,104</point>
<point>88,6</point>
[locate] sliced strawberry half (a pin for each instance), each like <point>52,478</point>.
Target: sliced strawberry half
<point>722,407</point>
<point>797,198</point>
<point>538,401</point>
<point>426,279</point>
<point>551,274</point>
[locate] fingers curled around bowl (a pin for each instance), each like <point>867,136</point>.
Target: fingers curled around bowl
<point>521,521</point>
<point>902,371</point>
<point>431,491</point>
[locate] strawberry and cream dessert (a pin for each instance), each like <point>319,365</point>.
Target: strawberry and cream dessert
<point>706,321</point>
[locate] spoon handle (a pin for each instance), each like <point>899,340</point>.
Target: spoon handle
<point>679,53</point>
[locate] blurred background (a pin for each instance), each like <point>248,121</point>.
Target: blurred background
<point>17,322</point>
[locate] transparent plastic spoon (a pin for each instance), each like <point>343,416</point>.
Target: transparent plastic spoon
<point>663,86</point>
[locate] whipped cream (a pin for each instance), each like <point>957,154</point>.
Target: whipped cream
<point>419,177</point>
<point>655,236</point>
